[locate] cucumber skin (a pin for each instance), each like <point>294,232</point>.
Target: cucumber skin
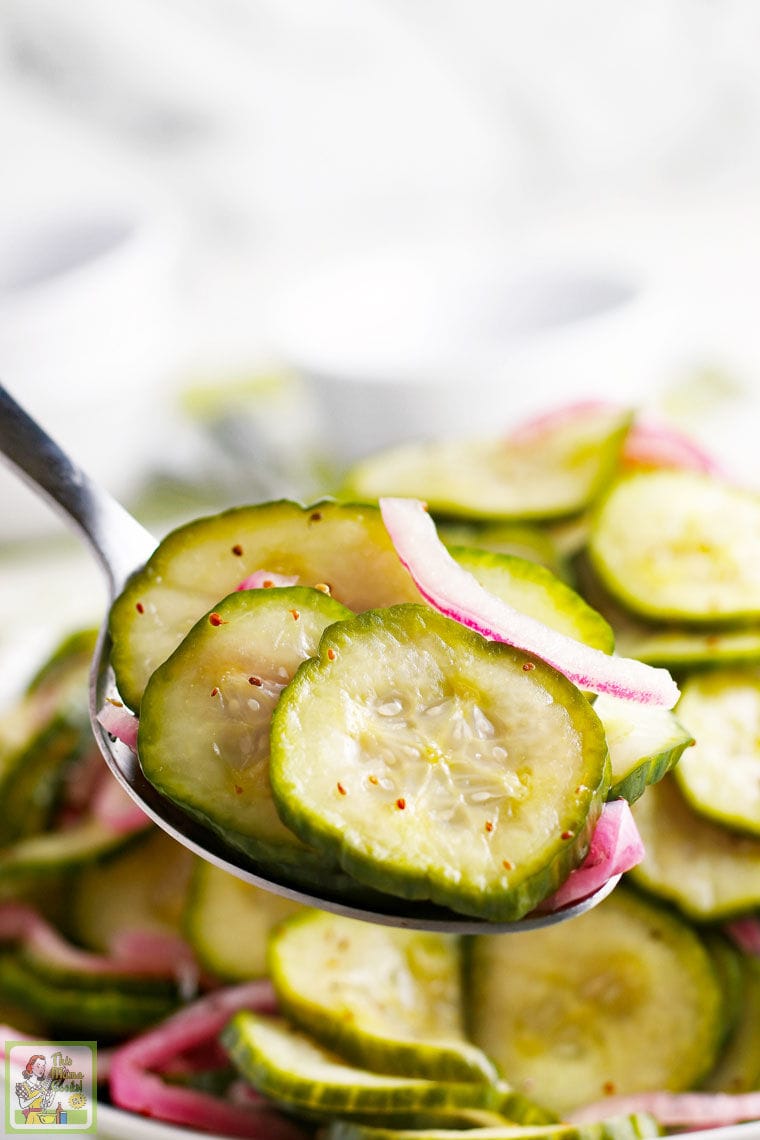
<point>650,771</point>
<point>303,1095</point>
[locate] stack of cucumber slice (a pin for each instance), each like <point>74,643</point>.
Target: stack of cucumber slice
<point>340,732</point>
<point>380,1028</point>
<point>678,553</point>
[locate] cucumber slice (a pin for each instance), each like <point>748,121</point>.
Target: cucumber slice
<point>680,546</point>
<point>624,999</point>
<point>720,776</point>
<point>42,736</point>
<point>738,1067</point>
<point>727,960</point>
<point>709,871</point>
<point>549,477</point>
<point>688,649</point>
<point>106,1009</point>
<point>435,764</point>
<point>534,543</point>
<point>67,666</point>
<point>384,998</point>
<point>535,591</point>
<point>295,1071</point>
<point>203,739</point>
<point>343,546</point>
<point>66,850</point>
<point>142,886</point>
<point>228,922</point>
<point>31,777</point>
<point>644,741</point>
<point>636,1126</point>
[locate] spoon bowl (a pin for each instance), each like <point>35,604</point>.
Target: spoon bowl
<point>122,546</point>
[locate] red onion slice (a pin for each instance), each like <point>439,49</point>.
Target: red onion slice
<point>134,1088</point>
<point>615,847</point>
<point>745,933</point>
<point>452,590</point>
<point>652,444</point>
<point>543,424</point>
<point>20,922</point>
<point>115,808</point>
<point>118,721</point>
<point>675,1110</point>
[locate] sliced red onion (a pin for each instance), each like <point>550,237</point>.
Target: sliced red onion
<point>134,1088</point>
<point>651,444</point>
<point>115,808</point>
<point>675,1110</point>
<point>118,721</point>
<point>452,590</point>
<point>745,933</point>
<point>139,949</point>
<point>22,923</point>
<point>265,579</point>
<point>533,428</point>
<point>615,847</point>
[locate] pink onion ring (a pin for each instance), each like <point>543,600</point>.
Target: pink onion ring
<point>615,847</point>
<point>452,590</point>
<point>118,721</point>
<point>675,1110</point>
<point>136,1089</point>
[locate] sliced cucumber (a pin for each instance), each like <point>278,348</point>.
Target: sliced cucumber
<point>435,764</point>
<point>636,1126</point>
<point>66,850</point>
<point>536,591</point>
<point>555,475</point>
<point>535,543</point>
<point>105,1008</point>
<point>290,1067</point>
<point>574,1013</point>
<point>709,871</point>
<point>738,1067</point>
<point>33,776</point>
<point>205,717</point>
<point>728,962</point>
<point>680,546</point>
<point>385,998</point>
<point>67,666</point>
<point>228,922</point>
<point>720,776</point>
<point>143,885</point>
<point>682,649</point>
<point>42,736</point>
<point>644,741</point>
<point>344,547</point>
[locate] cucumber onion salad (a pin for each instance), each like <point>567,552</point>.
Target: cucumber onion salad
<point>424,691</point>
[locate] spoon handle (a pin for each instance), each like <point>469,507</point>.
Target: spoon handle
<point>119,542</point>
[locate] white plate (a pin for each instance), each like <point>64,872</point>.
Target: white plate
<point>116,1125</point>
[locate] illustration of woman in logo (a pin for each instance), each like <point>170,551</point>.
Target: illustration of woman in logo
<point>34,1091</point>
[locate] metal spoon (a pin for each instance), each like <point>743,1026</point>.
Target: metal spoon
<point>122,546</point>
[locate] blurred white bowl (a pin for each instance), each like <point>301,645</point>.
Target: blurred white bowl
<point>448,339</point>
<point>87,341</point>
